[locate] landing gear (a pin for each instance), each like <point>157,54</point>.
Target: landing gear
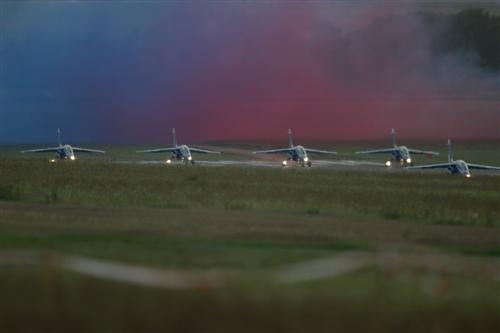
<point>309,164</point>
<point>406,163</point>
<point>188,161</point>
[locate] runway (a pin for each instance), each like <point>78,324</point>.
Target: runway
<point>324,164</point>
<point>340,165</point>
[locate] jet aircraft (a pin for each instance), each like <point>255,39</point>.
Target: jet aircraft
<point>295,153</point>
<point>179,152</point>
<point>399,154</point>
<point>63,152</point>
<point>455,166</point>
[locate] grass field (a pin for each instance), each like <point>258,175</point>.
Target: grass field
<point>289,249</point>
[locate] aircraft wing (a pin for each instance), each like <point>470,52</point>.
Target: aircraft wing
<point>272,151</point>
<point>423,152</point>
<point>203,151</point>
<point>317,151</point>
<point>159,150</point>
<point>85,150</point>
<point>42,150</point>
<point>430,166</point>
<point>377,151</point>
<point>484,167</point>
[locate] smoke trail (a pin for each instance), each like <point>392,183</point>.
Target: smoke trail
<point>127,72</point>
<point>294,69</point>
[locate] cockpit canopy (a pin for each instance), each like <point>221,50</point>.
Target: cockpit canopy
<point>301,152</point>
<point>184,150</point>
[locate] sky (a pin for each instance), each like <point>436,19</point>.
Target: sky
<point>128,71</point>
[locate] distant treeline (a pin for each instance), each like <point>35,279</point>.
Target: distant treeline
<point>474,31</point>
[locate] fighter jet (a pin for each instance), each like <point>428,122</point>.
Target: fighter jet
<point>181,152</point>
<point>295,153</point>
<point>399,154</point>
<point>455,167</point>
<point>63,152</point>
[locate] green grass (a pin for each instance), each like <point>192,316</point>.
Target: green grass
<point>249,222</point>
<point>175,251</point>
<point>251,245</point>
<point>425,198</point>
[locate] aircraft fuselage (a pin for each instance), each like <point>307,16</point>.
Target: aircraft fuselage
<point>402,155</point>
<point>182,153</point>
<point>65,153</point>
<point>459,167</point>
<point>298,154</point>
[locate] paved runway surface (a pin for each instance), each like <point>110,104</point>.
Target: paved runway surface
<point>272,164</point>
<point>323,164</point>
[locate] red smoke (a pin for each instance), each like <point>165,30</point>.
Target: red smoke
<point>264,68</point>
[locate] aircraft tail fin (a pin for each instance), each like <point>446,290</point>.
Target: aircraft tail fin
<point>393,137</point>
<point>290,140</point>
<point>450,152</point>
<point>59,136</point>
<point>174,138</point>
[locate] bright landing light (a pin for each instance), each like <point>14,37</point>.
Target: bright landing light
<point>284,163</point>
<point>52,161</point>
<point>408,160</point>
<point>190,158</point>
<point>168,161</point>
<point>306,159</point>
<point>388,163</point>
<point>467,175</point>
<point>72,158</point>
